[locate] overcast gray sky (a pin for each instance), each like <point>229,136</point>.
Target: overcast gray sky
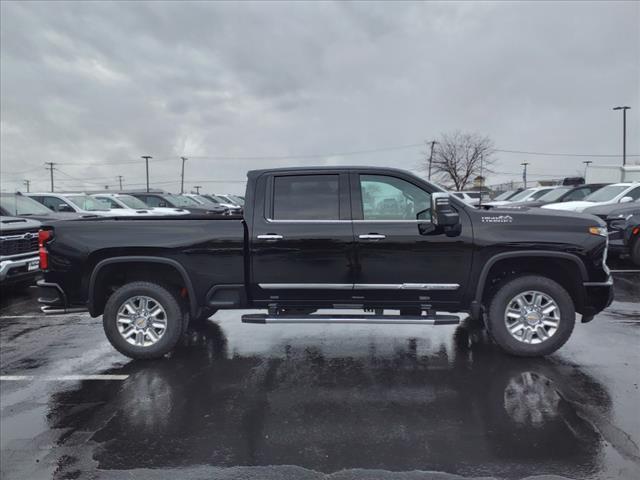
<point>92,86</point>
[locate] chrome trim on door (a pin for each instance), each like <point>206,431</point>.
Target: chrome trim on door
<point>270,236</point>
<point>306,286</point>
<point>406,286</point>
<point>372,236</point>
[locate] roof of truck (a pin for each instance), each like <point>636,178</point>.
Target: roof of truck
<point>329,167</point>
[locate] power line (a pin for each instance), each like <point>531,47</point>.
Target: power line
<point>51,164</point>
<point>563,154</point>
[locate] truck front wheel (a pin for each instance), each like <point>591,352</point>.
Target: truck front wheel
<point>531,316</point>
<point>143,320</point>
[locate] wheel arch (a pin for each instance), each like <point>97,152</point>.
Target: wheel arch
<point>569,272</point>
<point>97,297</point>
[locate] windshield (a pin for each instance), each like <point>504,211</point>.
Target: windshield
<point>505,195</point>
<point>181,201</point>
<point>554,194</point>
<point>237,199</point>
<point>132,202</point>
<point>212,199</point>
<point>19,205</point>
<point>606,193</point>
<point>539,193</point>
<point>520,196</point>
<point>85,202</point>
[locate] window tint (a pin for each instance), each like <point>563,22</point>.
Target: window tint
<point>306,197</point>
<point>390,198</point>
<point>635,193</point>
<point>153,201</point>
<point>54,203</point>
<point>538,194</point>
<point>109,201</point>
<point>577,194</point>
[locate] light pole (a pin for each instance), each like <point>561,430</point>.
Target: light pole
<point>586,165</point>
<point>197,187</point>
<point>524,173</point>
<point>624,133</point>
<point>146,159</point>
<point>433,143</point>
<point>184,159</point>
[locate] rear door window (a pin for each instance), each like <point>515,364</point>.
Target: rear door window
<point>306,197</point>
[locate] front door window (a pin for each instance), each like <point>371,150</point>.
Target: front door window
<point>390,198</point>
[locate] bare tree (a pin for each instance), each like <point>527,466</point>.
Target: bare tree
<point>458,157</point>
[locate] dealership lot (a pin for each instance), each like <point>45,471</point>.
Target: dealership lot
<point>247,401</point>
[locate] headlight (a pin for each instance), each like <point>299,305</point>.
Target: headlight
<point>602,231</point>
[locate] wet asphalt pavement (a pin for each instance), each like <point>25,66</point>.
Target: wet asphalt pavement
<point>318,402</point>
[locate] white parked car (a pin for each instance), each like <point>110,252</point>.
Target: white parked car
<point>204,198</point>
<point>614,193</point>
<point>76,202</point>
<point>135,206</point>
<point>465,197</point>
<point>527,195</point>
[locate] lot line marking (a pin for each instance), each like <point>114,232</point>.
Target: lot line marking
<point>62,378</point>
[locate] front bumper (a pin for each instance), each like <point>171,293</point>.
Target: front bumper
<point>598,296</point>
<point>18,270</point>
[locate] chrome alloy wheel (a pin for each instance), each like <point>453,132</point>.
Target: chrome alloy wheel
<point>141,321</point>
<point>532,317</point>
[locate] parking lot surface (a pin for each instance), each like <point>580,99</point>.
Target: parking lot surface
<point>318,402</point>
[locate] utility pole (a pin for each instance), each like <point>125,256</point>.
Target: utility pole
<point>433,143</point>
<point>119,177</point>
<point>184,159</point>
<point>586,165</point>
<point>524,173</point>
<point>50,166</point>
<point>146,159</point>
<point>624,133</point>
<point>27,183</point>
<point>197,187</point>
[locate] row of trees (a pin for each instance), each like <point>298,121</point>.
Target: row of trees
<point>455,159</point>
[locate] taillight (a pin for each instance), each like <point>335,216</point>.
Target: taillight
<point>43,237</point>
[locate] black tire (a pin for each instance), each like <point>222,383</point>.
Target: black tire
<point>508,291</point>
<point>174,320</point>
<point>635,253</point>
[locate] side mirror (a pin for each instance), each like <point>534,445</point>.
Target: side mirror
<point>626,200</point>
<point>442,213</point>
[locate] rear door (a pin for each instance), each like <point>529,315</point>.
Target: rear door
<point>302,249</point>
<point>396,263</point>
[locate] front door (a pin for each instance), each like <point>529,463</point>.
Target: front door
<point>302,248</point>
<point>396,263</point>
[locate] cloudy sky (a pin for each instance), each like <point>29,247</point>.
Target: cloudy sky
<point>237,86</point>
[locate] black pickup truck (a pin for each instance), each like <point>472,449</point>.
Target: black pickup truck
<point>370,239</point>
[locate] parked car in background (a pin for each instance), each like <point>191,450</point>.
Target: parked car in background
<point>233,208</point>
<point>207,202</point>
<point>135,206</point>
<point>229,199</point>
<point>18,205</point>
<point>614,193</point>
<point>75,202</point>
<point>18,251</point>
<point>466,198</point>
<point>506,195</point>
<point>524,196</point>
<point>631,238</point>
<point>562,194</point>
<point>168,200</point>
<point>238,199</point>
<point>619,217</point>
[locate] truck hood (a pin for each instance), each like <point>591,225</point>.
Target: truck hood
<point>571,206</point>
<point>12,224</point>
<point>532,216</point>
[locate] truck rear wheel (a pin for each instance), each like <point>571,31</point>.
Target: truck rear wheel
<point>143,320</point>
<point>531,316</point>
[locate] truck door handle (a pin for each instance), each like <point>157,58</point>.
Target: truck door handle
<point>372,236</point>
<point>270,236</point>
